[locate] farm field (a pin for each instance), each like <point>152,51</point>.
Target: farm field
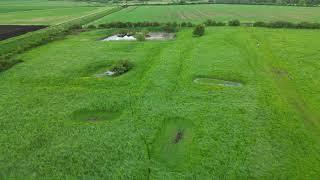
<point>43,12</point>
<point>267,127</point>
<point>220,12</point>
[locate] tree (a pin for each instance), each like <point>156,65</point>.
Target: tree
<point>199,30</point>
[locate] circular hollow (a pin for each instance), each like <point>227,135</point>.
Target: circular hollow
<point>94,115</point>
<point>217,82</point>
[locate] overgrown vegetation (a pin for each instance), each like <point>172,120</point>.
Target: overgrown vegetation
<point>199,30</point>
<point>285,24</point>
<point>121,67</point>
<point>234,22</point>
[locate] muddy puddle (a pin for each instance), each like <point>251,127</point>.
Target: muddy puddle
<point>107,73</point>
<point>149,36</point>
<point>216,82</point>
<point>86,115</point>
<point>174,143</point>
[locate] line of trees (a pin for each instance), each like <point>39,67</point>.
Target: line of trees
<point>270,2</point>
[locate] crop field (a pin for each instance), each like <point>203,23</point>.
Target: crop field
<point>199,13</point>
<point>43,12</point>
<point>169,117</point>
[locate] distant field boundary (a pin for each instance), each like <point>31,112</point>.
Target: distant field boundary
<point>212,3</point>
<point>19,44</point>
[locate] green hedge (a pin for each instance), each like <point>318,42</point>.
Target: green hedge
<point>285,24</point>
<point>19,44</point>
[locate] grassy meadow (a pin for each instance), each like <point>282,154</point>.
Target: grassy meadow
<point>43,12</point>
<point>267,128</point>
<point>220,12</point>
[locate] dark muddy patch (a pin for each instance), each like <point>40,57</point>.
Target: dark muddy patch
<point>8,31</point>
<point>280,72</point>
<point>86,115</point>
<point>216,82</point>
<point>179,136</point>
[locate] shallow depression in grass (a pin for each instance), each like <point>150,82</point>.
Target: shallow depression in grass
<point>217,82</point>
<point>86,115</point>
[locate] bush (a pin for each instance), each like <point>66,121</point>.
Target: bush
<point>260,24</point>
<point>92,26</point>
<point>75,27</point>
<point>210,22</point>
<point>141,36</point>
<point>170,28</point>
<point>199,30</point>
<point>220,24</point>
<point>307,25</point>
<point>121,67</point>
<point>183,24</point>
<point>7,63</point>
<point>189,24</point>
<point>234,23</point>
<point>281,24</point>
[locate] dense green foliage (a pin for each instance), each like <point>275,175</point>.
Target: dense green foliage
<point>219,12</point>
<point>182,2</point>
<point>284,24</point>
<point>234,23</point>
<point>156,122</point>
<point>199,30</point>
<point>121,67</point>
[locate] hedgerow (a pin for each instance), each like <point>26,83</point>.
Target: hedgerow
<point>285,24</point>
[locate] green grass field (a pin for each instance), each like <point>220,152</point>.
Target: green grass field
<point>43,12</point>
<point>199,13</point>
<point>267,128</point>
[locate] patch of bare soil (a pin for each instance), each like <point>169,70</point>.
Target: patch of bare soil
<point>8,31</point>
<point>179,136</point>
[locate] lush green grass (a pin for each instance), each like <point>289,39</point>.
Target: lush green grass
<point>43,11</point>
<point>267,128</point>
<point>199,13</point>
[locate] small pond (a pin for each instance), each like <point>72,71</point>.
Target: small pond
<point>219,82</point>
<point>149,36</point>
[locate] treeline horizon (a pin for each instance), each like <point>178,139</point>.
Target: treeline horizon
<point>251,2</point>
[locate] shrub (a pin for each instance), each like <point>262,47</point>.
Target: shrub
<point>169,27</point>
<point>199,30</point>
<point>307,25</point>
<point>189,24</point>
<point>220,24</point>
<point>281,24</point>
<point>121,67</point>
<point>234,23</point>
<point>92,26</point>
<point>75,26</point>
<point>210,22</point>
<point>183,24</point>
<point>260,24</point>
